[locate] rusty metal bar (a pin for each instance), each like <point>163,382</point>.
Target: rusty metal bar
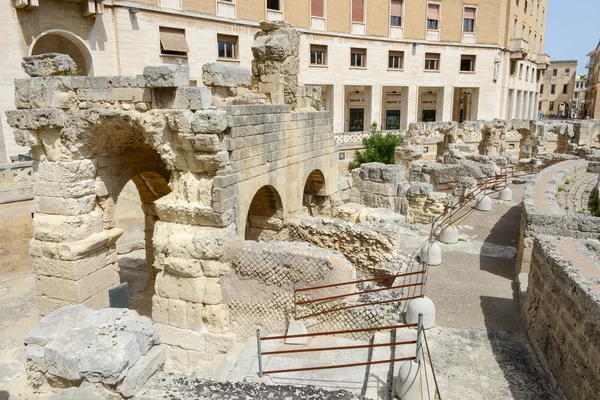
<point>358,305</point>
<point>355,294</point>
<point>364,346</point>
<point>381,278</point>
<point>338,366</point>
<point>437,388</point>
<point>382,328</point>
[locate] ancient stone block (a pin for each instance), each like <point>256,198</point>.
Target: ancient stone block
<point>213,293</point>
<point>53,325</point>
<point>209,121</point>
<point>177,311</point>
<point>78,291</point>
<point>49,64</point>
<point>183,338</point>
<point>219,343</point>
<point>139,374</point>
<point>167,75</point>
<point>41,118</point>
<point>220,74</point>
<point>216,318</point>
<point>77,393</point>
<point>184,267</point>
<point>74,270</point>
<point>65,172</point>
<point>66,206</point>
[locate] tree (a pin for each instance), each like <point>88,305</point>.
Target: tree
<point>379,147</point>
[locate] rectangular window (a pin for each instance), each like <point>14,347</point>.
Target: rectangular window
<point>576,95</point>
<point>358,10</point>
<point>541,89</point>
<point>513,68</point>
<point>396,13</point>
<point>172,42</point>
<point>553,89</point>
<point>554,72</point>
<point>515,28</point>
<point>527,73</point>
<point>358,57</point>
<point>521,71</point>
<point>565,89</point>
<point>273,5</point>
<point>357,119</point>
<point>392,119</point>
<point>433,17</point>
<point>568,72</point>
<point>318,54</point>
<point>551,108</point>
<point>467,63</point>
<point>432,61</point>
<point>396,60</point>
<point>469,19</point>
<point>227,46</point>
<point>316,8</point>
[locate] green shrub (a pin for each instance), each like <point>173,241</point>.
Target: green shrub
<point>378,148</point>
<point>561,189</point>
<point>589,170</point>
<point>567,182</point>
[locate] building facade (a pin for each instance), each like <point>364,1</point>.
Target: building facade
<point>593,79</point>
<point>557,89</point>
<point>391,62</point>
<point>580,100</point>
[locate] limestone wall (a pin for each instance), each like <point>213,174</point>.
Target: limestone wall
<point>562,314</point>
<point>269,145</point>
<point>541,214</point>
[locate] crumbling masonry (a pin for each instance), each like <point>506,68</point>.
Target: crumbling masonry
<point>197,169</point>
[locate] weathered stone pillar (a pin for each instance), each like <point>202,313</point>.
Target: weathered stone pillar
<point>276,63</point>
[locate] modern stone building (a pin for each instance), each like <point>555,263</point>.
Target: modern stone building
<point>593,78</point>
<point>557,88</point>
<point>387,61</point>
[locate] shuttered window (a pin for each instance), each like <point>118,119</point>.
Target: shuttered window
<point>358,10</point>
<point>316,8</point>
<point>469,21</point>
<point>433,16</point>
<point>396,13</point>
<point>172,41</point>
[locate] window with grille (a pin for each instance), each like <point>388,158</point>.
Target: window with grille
<point>318,54</point>
<point>358,57</point>
<point>227,46</point>
<point>396,60</point>
<point>432,61</point>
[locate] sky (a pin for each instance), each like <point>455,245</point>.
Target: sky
<point>572,30</point>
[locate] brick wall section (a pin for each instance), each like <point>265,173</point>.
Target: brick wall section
<point>562,313</point>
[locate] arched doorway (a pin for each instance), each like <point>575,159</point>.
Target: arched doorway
<point>64,42</point>
<point>265,215</point>
<point>314,191</point>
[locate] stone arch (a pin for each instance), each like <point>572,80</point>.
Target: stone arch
<point>314,192</point>
<point>63,41</point>
<point>265,215</point>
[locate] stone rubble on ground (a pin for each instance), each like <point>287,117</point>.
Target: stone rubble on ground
<point>75,344</point>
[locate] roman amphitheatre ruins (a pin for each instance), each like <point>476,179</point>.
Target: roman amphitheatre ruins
<point>262,269</point>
